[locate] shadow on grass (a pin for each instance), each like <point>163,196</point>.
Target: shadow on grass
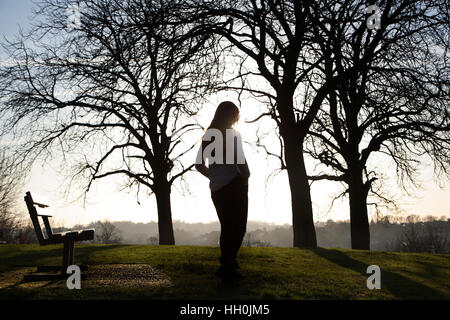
<point>34,257</point>
<point>18,283</point>
<point>401,287</point>
<point>433,271</point>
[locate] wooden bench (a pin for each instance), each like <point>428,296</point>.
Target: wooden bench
<point>66,238</point>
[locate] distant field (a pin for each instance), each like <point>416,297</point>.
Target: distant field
<point>271,273</point>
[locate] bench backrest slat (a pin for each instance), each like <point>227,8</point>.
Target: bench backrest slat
<point>34,217</point>
<point>48,228</point>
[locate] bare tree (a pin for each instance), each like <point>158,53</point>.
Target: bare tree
<point>395,103</point>
<point>250,241</point>
<point>9,182</point>
<point>107,233</point>
<point>436,238</point>
<point>152,240</point>
<point>419,235</point>
<point>115,93</point>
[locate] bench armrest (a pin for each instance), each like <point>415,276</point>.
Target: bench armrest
<point>45,215</point>
<point>40,205</point>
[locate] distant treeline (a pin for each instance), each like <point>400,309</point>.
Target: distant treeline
<point>390,233</point>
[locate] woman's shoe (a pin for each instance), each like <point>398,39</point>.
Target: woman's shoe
<point>231,275</point>
<point>220,272</point>
<point>228,273</point>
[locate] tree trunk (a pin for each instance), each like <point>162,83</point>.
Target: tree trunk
<point>302,213</point>
<point>165,227</point>
<point>359,220</point>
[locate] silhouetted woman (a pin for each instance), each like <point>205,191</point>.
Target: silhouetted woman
<point>228,175</point>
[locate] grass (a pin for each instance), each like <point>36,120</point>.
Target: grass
<point>271,273</point>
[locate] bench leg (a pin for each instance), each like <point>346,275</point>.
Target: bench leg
<point>71,248</point>
<point>67,254</point>
<point>68,249</point>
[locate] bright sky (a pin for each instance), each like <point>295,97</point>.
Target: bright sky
<point>269,202</point>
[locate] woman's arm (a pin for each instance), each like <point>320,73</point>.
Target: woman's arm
<point>204,170</point>
<point>242,167</point>
<point>200,163</point>
<point>244,170</point>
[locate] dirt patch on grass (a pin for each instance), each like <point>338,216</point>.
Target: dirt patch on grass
<point>125,275</point>
<point>109,275</point>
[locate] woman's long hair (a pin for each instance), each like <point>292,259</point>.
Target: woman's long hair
<point>227,114</point>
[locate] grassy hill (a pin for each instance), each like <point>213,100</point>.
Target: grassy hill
<point>271,273</point>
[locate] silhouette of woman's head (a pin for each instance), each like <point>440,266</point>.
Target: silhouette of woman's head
<point>227,114</point>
